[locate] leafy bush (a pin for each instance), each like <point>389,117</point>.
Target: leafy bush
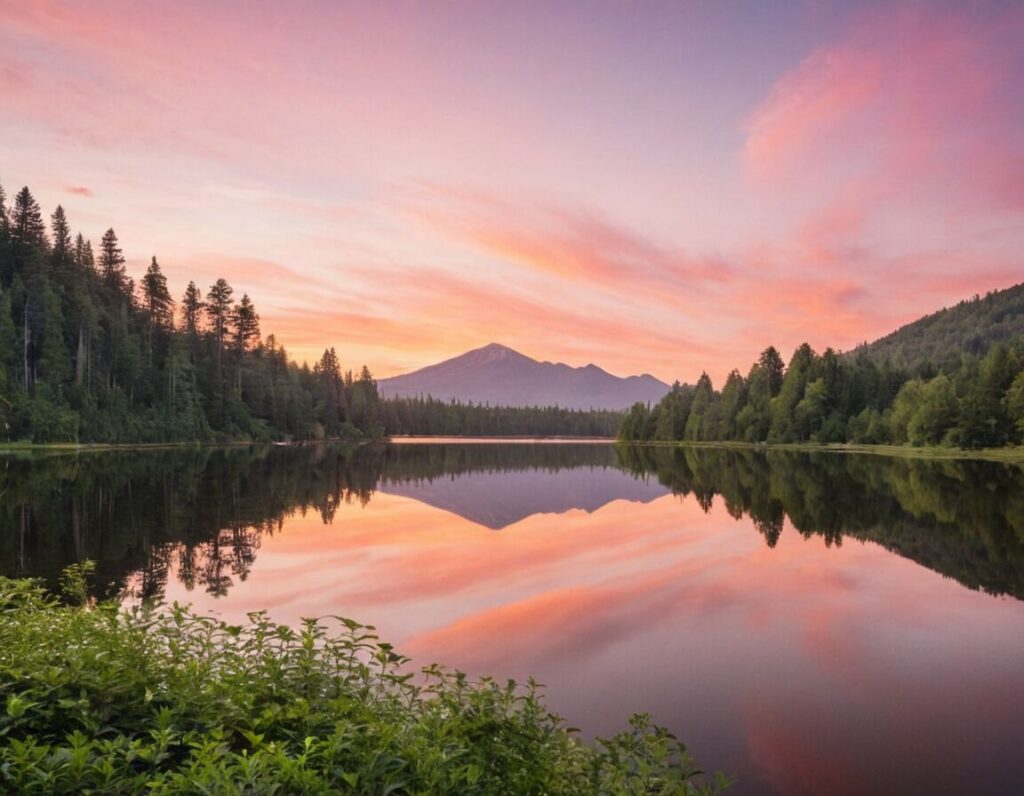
<point>161,700</point>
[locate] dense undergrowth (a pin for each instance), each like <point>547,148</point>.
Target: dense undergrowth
<point>100,699</point>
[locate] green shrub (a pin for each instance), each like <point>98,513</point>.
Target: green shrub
<point>162,700</point>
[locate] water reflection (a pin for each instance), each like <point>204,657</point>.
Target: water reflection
<point>207,511</point>
<point>800,619</point>
<point>964,519</point>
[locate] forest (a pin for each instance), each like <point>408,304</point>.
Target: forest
<point>426,415</point>
<point>87,354</point>
<point>969,397</point>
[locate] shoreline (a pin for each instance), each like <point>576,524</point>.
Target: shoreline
<point>1007,455</point>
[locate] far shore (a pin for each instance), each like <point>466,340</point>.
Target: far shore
<point>1011,454</point>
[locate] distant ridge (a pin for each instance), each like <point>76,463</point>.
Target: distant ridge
<point>969,327</point>
<point>497,375</point>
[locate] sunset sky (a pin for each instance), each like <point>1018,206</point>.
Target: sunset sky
<point>653,187</point>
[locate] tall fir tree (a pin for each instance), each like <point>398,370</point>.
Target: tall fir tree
<point>26,222</point>
<point>112,266</point>
<point>246,325</point>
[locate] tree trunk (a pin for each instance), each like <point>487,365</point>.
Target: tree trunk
<point>24,351</point>
<point>80,358</point>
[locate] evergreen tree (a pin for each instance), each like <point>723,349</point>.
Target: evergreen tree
<point>246,325</point>
<point>192,308</point>
<point>700,423</point>
<point>218,310</point>
<point>62,253</point>
<point>26,224</point>
<point>774,370</point>
<point>157,301</point>
<point>5,228</point>
<point>332,403</point>
<point>112,268</point>
<point>157,305</point>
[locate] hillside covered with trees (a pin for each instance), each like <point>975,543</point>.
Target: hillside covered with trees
<point>954,378</point>
<point>971,327</point>
<point>88,354</point>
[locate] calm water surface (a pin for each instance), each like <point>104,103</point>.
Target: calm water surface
<point>813,623</point>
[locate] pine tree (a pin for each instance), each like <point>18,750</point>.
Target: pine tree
<point>112,267</point>
<point>4,223</point>
<point>62,253</point>
<point>774,369</point>
<point>218,309</point>
<point>27,227</point>
<point>192,307</point>
<point>332,392</point>
<point>247,325</point>
<point>157,301</point>
<point>84,256</point>
<point>157,304</point>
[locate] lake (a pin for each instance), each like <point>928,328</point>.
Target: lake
<point>814,623</point>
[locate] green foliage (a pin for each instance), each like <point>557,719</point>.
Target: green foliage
<point>701,424</point>
<point>640,425</point>
<point>161,700</point>
<point>1015,405</point>
<point>830,398</point>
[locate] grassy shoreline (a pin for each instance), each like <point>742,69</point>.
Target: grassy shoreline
<point>1011,455</point>
<point>90,447</point>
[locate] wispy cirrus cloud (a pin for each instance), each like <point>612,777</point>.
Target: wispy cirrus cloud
<point>569,241</point>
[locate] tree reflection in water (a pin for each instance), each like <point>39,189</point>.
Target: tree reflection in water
<point>202,513</point>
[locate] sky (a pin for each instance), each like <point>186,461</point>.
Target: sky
<point>653,187</point>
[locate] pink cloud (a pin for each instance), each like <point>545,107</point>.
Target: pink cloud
<point>78,190</point>
<point>907,100</point>
<point>825,90</point>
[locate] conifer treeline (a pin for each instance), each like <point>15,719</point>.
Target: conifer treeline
<point>430,416</point>
<point>968,401</point>
<point>87,354</point>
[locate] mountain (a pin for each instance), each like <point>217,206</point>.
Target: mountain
<point>497,500</point>
<point>497,375</point>
<point>969,327</point>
